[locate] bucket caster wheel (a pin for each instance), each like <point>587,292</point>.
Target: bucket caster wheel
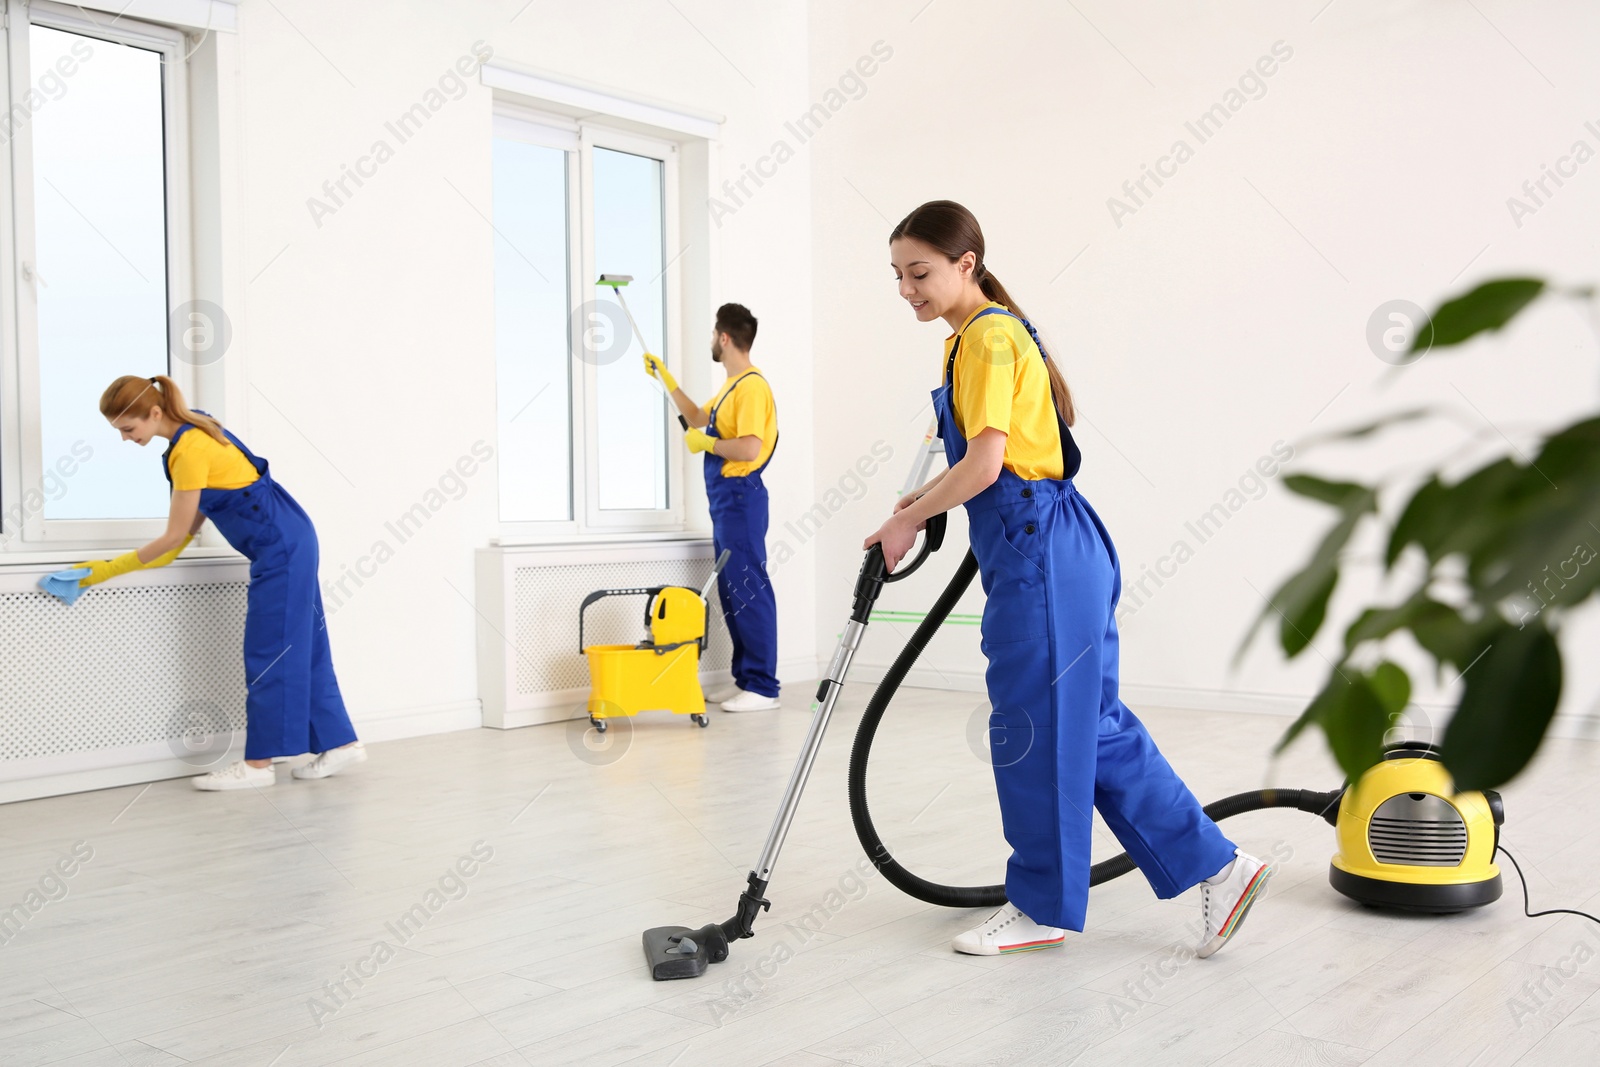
<point>702,720</point>
<point>598,724</point>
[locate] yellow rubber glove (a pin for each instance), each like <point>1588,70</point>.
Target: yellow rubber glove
<point>168,557</point>
<point>657,367</point>
<point>102,569</point>
<point>698,440</point>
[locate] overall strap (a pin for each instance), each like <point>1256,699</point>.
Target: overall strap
<point>166,468</point>
<point>712,420</point>
<point>950,364</point>
<point>249,455</point>
<point>1071,458</point>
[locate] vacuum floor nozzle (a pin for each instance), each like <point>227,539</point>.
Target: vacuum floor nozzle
<point>679,952</point>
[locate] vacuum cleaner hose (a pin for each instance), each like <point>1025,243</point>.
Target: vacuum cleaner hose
<point>987,896</point>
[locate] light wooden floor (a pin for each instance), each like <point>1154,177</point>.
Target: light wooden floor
<point>205,927</point>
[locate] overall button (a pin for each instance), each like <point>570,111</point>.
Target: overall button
<point>1028,528</point>
<point>257,507</point>
<point>1026,493</point>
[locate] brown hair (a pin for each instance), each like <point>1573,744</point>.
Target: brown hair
<point>953,231</point>
<point>133,397</point>
<point>736,321</point>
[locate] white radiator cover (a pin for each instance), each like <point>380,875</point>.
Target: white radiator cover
<point>142,679</point>
<point>530,667</point>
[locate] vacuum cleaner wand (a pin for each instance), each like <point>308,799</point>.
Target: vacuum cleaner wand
<point>681,952</point>
<point>615,282</point>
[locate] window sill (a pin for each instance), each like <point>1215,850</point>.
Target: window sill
<point>570,540</point>
<point>59,558</point>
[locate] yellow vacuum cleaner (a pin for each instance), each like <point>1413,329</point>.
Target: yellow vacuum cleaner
<point>1406,840</point>
<point>660,673</point>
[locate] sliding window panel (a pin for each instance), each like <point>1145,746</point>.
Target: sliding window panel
<point>633,449</point>
<point>532,299</point>
<point>100,272</point>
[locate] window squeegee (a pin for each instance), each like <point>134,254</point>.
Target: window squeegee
<point>616,283</point>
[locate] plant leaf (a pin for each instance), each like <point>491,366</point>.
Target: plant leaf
<point>1374,624</point>
<point>1509,699</point>
<point>1335,493</point>
<point>1302,600</point>
<point>1419,521</point>
<point>1444,519</point>
<point>1362,430</point>
<point>1450,638</point>
<point>1355,722</point>
<point>1487,307</point>
<point>1314,712</point>
<point>1392,686</point>
<point>1353,715</point>
<point>1296,629</point>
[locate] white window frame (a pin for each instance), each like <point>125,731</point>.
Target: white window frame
<point>22,472</point>
<point>579,138</point>
<point>671,517</point>
<point>518,124</point>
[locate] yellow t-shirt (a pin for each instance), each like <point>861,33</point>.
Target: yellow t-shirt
<point>200,461</point>
<point>749,412</point>
<point>1000,381</point>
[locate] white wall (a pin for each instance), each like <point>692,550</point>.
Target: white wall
<point>1229,312</point>
<point>363,364</point>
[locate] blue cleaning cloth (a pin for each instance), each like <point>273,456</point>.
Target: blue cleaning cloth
<point>64,584</point>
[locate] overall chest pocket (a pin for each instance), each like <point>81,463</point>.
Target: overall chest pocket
<point>247,518</point>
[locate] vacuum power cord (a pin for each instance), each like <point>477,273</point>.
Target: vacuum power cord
<point>1525,903</point>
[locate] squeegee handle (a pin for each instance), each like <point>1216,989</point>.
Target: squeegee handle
<point>640,337</point>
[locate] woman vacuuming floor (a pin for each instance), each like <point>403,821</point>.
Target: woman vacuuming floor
<point>292,705</point>
<point>1052,579</point>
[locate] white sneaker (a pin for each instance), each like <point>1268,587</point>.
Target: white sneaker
<point>332,761</point>
<point>1226,904</point>
<point>749,702</point>
<point>236,775</point>
<point>723,692</point>
<point>1008,930</point>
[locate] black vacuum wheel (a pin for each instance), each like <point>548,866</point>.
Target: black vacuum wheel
<point>702,720</point>
<point>598,724</point>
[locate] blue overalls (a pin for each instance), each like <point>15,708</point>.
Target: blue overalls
<point>1063,742</point>
<point>292,701</point>
<point>739,524</point>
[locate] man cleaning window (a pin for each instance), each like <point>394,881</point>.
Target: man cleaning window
<point>737,430</point>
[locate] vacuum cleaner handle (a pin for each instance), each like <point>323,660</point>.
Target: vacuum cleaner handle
<point>932,540</point>
<point>875,571</point>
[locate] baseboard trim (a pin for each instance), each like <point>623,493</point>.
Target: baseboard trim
<point>82,772</point>
<point>399,723</point>
<point>1567,726</point>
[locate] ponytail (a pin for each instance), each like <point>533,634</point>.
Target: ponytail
<point>953,231</point>
<point>135,397</point>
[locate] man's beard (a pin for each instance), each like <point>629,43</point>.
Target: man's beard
<point>716,351</point>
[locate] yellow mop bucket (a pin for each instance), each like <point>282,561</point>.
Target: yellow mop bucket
<point>660,673</point>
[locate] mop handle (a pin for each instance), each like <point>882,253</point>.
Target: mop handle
<point>716,568</point>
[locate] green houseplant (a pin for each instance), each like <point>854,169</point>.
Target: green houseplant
<point>1509,549</point>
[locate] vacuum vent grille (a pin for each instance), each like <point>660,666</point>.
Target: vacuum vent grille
<point>1418,830</point>
<point>545,617</point>
<point>124,666</point>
